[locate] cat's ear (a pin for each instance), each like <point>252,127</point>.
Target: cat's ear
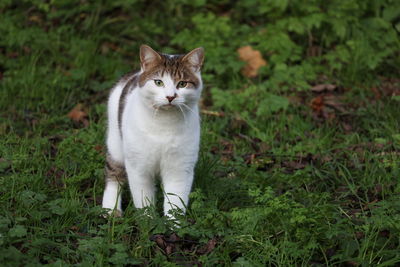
<point>148,57</point>
<point>195,58</point>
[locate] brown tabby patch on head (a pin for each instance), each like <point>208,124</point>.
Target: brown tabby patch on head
<point>174,65</point>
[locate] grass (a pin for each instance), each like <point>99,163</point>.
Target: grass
<point>291,188</point>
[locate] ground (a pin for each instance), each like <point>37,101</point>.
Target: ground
<point>300,150</point>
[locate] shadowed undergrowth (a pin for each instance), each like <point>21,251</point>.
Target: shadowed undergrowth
<point>298,165</point>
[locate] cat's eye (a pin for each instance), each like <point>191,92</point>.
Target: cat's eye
<point>159,83</point>
<point>182,84</point>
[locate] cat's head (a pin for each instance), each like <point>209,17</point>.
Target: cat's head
<point>170,81</point>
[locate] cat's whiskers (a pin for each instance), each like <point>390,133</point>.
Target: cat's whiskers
<point>156,108</point>
<point>190,109</point>
<point>183,113</point>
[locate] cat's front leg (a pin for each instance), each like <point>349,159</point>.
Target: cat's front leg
<point>177,184</point>
<point>141,184</point>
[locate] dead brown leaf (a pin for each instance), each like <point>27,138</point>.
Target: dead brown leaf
<point>79,115</point>
<point>334,102</point>
<point>35,19</point>
<point>317,103</point>
<point>323,87</point>
<point>314,51</point>
<point>327,107</point>
<point>159,239</point>
<point>389,86</point>
<point>210,246</point>
<point>227,150</point>
<point>99,148</point>
<point>74,228</point>
<point>254,60</point>
<point>376,92</point>
<point>176,247</point>
<point>213,113</point>
<point>294,165</point>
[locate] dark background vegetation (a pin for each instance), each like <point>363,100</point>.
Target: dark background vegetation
<point>298,165</point>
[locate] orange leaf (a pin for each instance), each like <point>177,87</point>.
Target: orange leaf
<point>78,114</point>
<point>317,103</point>
<point>254,60</point>
<point>376,92</point>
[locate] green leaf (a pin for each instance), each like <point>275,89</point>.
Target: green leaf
<point>272,103</point>
<point>17,231</point>
<point>4,164</point>
<point>242,262</point>
<point>56,207</point>
<point>396,98</point>
<point>380,140</point>
<point>396,137</point>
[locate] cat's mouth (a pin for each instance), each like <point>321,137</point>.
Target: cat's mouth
<point>168,106</point>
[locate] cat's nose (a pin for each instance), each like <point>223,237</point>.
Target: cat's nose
<point>170,98</point>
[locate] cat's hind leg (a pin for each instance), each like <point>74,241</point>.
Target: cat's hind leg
<point>115,177</point>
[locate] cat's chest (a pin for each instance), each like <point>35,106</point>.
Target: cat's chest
<point>152,137</point>
<point>152,146</point>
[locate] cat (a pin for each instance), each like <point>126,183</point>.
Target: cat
<point>154,130</point>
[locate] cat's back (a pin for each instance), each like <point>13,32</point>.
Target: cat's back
<point>115,106</point>
<point>118,94</point>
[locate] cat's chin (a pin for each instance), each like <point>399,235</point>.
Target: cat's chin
<point>169,107</point>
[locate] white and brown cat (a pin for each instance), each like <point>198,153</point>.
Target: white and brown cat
<point>154,130</point>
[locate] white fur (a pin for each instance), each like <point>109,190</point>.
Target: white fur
<point>157,140</point>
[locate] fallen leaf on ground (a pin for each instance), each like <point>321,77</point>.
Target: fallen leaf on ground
<point>376,92</point>
<point>314,51</point>
<point>294,165</point>
<point>254,61</point>
<point>334,102</point>
<point>79,115</point>
<point>99,148</point>
<point>317,103</point>
<point>213,113</point>
<point>327,107</point>
<point>389,86</point>
<point>36,19</point>
<point>210,246</point>
<point>159,239</point>
<point>323,87</point>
